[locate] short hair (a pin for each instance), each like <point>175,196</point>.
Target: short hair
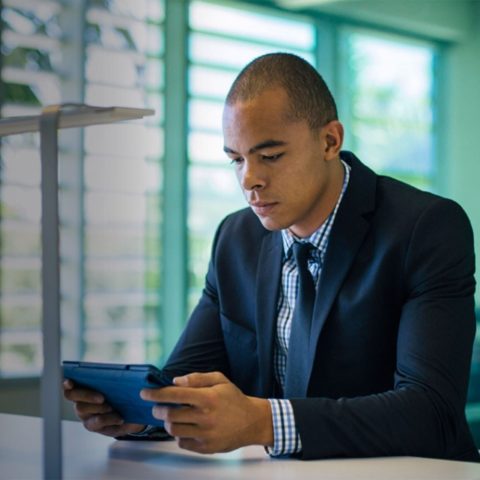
<point>310,98</point>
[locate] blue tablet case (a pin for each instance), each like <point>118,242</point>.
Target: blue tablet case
<point>120,384</point>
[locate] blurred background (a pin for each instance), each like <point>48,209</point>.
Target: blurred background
<point>140,201</point>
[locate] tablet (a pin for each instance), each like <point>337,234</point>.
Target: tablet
<point>120,384</point>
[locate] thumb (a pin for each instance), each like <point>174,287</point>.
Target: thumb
<point>197,380</point>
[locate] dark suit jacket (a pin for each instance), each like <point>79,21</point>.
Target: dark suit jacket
<point>393,323</point>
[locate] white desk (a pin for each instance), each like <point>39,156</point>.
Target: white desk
<point>91,456</point>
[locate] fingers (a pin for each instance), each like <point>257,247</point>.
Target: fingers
<point>104,426</point>
<point>97,423</point>
<point>182,430</point>
<point>95,414</point>
<point>172,395</point>
<point>110,424</point>
<point>197,380</point>
<point>185,414</point>
<point>184,391</point>
<point>179,422</point>
<point>99,418</point>
<point>86,410</point>
<point>67,384</point>
<point>214,415</point>
<point>70,392</point>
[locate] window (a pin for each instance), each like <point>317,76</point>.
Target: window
<point>122,227</point>
<point>223,39</point>
<point>110,224</point>
<point>31,59</point>
<point>388,105</point>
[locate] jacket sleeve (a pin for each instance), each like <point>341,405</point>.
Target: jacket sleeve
<point>201,347</point>
<point>423,414</point>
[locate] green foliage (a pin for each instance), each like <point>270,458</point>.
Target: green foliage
<point>21,94</point>
<point>28,58</point>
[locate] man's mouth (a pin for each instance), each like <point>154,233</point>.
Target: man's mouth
<point>262,208</point>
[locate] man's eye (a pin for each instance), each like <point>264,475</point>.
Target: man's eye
<point>236,161</point>
<point>272,157</point>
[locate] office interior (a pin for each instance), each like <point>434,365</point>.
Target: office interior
<point>140,201</point>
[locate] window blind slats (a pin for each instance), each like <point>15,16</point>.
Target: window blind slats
<point>120,204</point>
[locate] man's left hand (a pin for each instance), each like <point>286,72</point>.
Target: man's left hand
<point>213,414</point>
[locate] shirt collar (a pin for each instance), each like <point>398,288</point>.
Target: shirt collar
<point>317,238</point>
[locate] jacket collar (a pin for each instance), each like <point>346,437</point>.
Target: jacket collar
<point>348,232</point>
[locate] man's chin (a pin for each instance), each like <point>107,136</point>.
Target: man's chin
<point>271,224</point>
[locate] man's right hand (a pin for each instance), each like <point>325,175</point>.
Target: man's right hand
<point>95,414</point>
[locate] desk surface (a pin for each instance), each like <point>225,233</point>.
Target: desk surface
<point>92,456</point>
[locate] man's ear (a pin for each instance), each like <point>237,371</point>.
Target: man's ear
<point>333,132</point>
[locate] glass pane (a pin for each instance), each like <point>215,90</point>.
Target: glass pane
<point>116,313</point>
<point>20,204</point>
<point>21,312</point>
<point>21,276</point>
<point>206,148</point>
<point>213,194</point>
<point>20,352</point>
<point>114,275</point>
<point>231,53</point>
<point>20,238</point>
<point>114,68</point>
<point>32,87</point>
<point>131,175</point>
<point>20,93</point>
<point>28,58</point>
<point>142,9</point>
<point>209,82</point>
<point>108,209</point>
<point>391,109</point>
<point>154,73</point>
<point>34,18</point>
<point>115,345</point>
<point>238,22</point>
<point>20,166</point>
<point>129,140</point>
<point>204,114</point>
<point>104,241</point>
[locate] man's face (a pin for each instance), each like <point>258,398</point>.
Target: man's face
<point>281,165</point>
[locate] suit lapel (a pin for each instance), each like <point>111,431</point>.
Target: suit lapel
<point>268,283</point>
<point>346,237</point>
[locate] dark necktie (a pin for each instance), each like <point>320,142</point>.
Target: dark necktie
<point>298,347</point>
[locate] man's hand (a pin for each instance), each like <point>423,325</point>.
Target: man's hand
<point>214,415</point>
<point>95,414</point>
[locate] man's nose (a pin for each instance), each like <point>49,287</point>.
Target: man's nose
<point>252,177</point>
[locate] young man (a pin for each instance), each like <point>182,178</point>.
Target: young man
<point>337,317</point>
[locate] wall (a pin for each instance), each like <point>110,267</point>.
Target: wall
<point>462,132</point>
<point>22,397</point>
<point>441,19</point>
